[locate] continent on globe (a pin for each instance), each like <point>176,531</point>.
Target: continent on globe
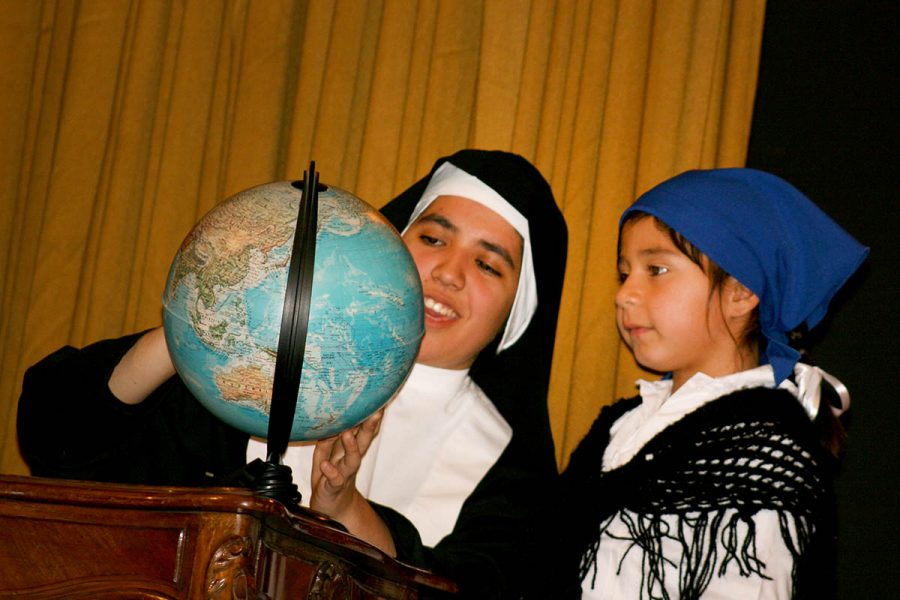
<point>225,293</point>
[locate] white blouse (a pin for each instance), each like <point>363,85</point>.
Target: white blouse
<point>439,437</point>
<point>619,565</point>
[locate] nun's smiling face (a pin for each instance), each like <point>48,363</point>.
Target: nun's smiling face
<point>469,259</point>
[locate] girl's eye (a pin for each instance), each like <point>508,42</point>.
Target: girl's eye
<point>657,270</point>
<point>428,240</point>
<point>622,277</point>
<point>487,268</point>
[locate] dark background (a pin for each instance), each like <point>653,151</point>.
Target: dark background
<point>826,120</point>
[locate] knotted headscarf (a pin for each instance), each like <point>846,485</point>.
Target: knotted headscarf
<point>770,237</point>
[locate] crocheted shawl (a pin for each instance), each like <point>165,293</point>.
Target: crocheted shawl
<point>749,451</point>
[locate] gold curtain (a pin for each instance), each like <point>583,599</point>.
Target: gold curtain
<point>121,123</point>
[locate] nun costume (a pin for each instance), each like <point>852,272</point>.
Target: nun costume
<point>462,457</point>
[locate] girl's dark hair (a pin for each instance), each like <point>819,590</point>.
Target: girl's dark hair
<point>831,431</point>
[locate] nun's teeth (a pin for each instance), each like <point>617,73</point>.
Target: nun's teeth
<point>439,308</point>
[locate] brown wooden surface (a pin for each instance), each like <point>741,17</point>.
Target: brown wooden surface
<point>77,539</point>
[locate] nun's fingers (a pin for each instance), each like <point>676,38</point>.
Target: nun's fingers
<point>334,481</point>
<point>322,453</point>
<point>368,429</point>
<point>349,463</point>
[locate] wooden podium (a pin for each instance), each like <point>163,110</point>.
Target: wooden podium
<point>75,539</point>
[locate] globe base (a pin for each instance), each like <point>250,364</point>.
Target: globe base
<point>275,481</point>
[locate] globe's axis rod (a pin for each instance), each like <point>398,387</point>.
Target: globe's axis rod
<point>292,339</point>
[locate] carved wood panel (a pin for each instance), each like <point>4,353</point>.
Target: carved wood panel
<point>65,539</point>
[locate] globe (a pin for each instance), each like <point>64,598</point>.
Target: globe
<point>224,296</point>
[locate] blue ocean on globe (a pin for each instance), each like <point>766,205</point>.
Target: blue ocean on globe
<point>224,297</point>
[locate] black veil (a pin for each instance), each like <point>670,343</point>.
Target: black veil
<point>517,379</point>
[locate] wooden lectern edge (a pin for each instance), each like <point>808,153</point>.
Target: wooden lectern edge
<point>313,525</point>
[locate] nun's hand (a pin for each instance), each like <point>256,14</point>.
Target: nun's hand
<point>336,462</point>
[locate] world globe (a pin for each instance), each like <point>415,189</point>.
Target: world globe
<point>224,297</point>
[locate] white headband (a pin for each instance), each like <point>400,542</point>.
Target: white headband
<point>450,180</point>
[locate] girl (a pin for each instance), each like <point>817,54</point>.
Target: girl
<point>463,444</point>
<point>713,482</point>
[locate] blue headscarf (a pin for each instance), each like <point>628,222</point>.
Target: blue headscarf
<point>770,237</point>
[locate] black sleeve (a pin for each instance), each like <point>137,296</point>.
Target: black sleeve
<point>497,545</point>
<point>578,505</point>
<point>71,426</point>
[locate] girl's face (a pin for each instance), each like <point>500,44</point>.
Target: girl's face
<point>469,259</point>
<point>665,310</point>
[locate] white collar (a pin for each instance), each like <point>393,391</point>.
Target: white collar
<point>660,407</point>
<point>701,386</point>
<point>429,386</point>
<point>807,388</point>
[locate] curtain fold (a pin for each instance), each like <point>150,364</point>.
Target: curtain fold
<point>121,123</point>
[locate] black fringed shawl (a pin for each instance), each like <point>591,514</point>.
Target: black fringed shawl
<point>714,469</point>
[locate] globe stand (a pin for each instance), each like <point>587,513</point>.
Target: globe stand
<point>270,478</point>
<point>273,480</point>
